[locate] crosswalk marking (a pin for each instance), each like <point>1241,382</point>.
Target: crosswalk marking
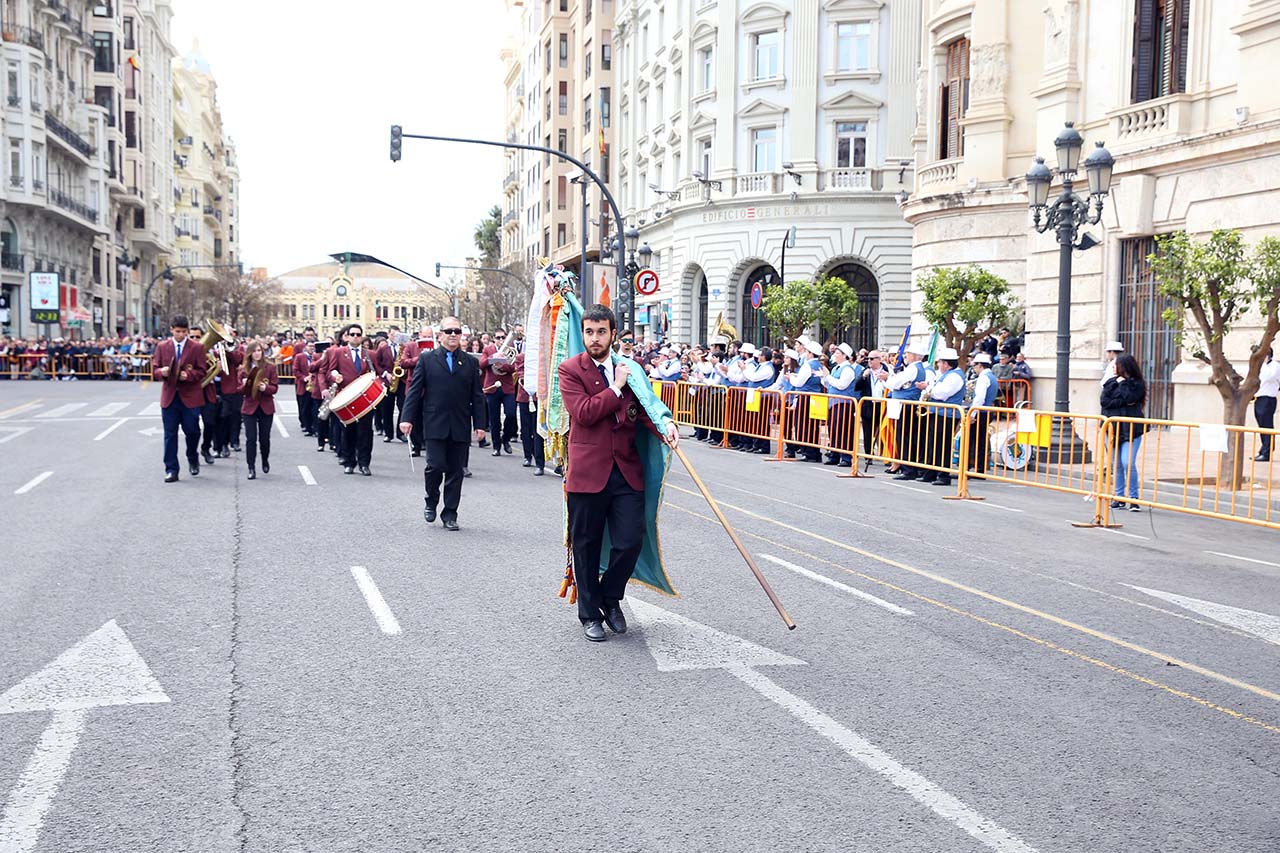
<point>108,410</point>
<point>62,411</point>
<point>151,409</point>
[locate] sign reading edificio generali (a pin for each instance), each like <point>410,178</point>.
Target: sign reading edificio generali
<point>770,211</point>
<point>44,297</point>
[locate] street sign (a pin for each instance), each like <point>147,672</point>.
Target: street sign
<point>757,295</point>
<point>647,282</point>
<point>44,297</point>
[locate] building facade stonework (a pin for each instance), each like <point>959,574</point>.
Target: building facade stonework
<point>331,295</point>
<point>741,121</point>
<point>1181,93</point>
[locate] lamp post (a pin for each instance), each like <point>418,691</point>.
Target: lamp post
<point>167,275</point>
<point>637,258</point>
<point>1065,216</point>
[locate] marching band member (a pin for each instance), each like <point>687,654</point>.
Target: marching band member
<point>985,389</point>
<point>346,363</point>
<point>841,384</point>
<point>535,450</point>
<point>301,374</point>
<point>907,384</point>
<point>318,386</point>
<point>760,375</point>
<point>500,395</point>
<point>208,414</point>
<point>257,382</point>
<point>948,387</point>
<point>413,351</point>
<point>230,402</point>
<point>179,367</point>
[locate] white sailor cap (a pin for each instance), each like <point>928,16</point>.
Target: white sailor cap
<point>948,354</point>
<point>1115,346</point>
<point>792,354</point>
<point>747,348</point>
<point>813,346</point>
<point>919,349</point>
<point>846,349</point>
<point>982,358</point>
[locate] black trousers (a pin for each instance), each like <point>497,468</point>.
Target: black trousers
<point>502,416</point>
<point>906,440</point>
<point>872,412</point>
<point>943,433</point>
<point>1264,411</point>
<point>386,415</point>
<point>979,444</point>
<point>209,420</point>
<point>229,419</point>
<point>257,430</point>
<point>840,420</point>
<point>445,461</point>
<point>336,429</point>
<point>533,445</point>
<point>304,412</point>
<point>622,507</point>
<point>357,441</point>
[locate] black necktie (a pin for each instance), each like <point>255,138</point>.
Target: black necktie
<point>604,374</point>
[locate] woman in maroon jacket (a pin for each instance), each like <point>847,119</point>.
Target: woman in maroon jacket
<point>258,382</point>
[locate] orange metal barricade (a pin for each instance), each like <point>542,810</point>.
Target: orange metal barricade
<point>750,412</point>
<point>1014,391</point>
<point>919,436</point>
<point>1182,467</point>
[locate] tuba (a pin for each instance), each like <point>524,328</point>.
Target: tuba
<point>214,343</point>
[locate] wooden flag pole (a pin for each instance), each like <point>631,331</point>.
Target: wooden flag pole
<point>746,555</point>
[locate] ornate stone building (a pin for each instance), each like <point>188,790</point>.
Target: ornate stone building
<point>328,296</point>
<point>1182,93</point>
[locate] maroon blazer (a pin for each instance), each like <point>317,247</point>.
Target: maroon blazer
<point>602,428</point>
<point>266,399</point>
<point>522,396</point>
<point>229,382</point>
<point>193,362</point>
<point>301,368</point>
<point>502,374</point>
<point>339,359</point>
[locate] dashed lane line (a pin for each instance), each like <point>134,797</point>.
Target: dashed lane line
<point>381,612</point>
<point>106,432</point>
<point>284,433</point>
<point>35,481</point>
<point>1013,605</point>
<point>1245,559</point>
<point>307,476</point>
<point>856,593</point>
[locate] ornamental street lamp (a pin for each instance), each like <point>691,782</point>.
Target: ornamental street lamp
<point>637,259</point>
<point>1065,215</point>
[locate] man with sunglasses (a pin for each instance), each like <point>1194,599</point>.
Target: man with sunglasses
<point>627,344</point>
<point>445,397</point>
<point>344,365</point>
<point>500,393</point>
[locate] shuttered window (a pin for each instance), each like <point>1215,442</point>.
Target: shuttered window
<point>955,100</point>
<point>1160,35</point>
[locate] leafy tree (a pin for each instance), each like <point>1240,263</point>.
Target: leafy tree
<point>499,300</point>
<point>1214,285</point>
<point>488,237</point>
<point>795,306</point>
<point>967,304</point>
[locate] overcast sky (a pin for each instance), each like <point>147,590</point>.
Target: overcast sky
<point>309,89</point>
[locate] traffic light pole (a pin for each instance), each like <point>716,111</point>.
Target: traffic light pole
<point>626,299</point>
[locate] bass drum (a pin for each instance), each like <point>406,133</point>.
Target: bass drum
<point>358,399</point>
<point>1012,453</point>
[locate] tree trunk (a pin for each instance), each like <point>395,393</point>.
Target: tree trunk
<point>1235,406</point>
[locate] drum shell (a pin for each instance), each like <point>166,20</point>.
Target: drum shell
<point>358,399</point>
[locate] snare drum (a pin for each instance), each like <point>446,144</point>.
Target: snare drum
<point>358,399</point>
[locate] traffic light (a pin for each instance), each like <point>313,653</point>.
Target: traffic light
<point>395,143</point>
<point>437,270</point>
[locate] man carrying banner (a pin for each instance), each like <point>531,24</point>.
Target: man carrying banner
<point>605,477</point>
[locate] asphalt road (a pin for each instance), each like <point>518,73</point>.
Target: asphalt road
<point>964,677</point>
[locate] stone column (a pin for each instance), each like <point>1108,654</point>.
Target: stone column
<point>803,70</point>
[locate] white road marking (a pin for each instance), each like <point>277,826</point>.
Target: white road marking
<point>33,795</point>
<point>287,407</point>
<point>150,409</point>
<point>944,805</point>
<point>857,593</point>
<point>994,506</point>
<point>102,669</point>
<point>284,433</point>
<point>381,612</point>
<point>679,643</point>
<point>1122,533</point>
<point>1246,559</point>
<point>108,410</point>
<point>24,409</point>
<point>307,476</point>
<point>152,431</point>
<point>62,410</point>
<point>1262,625</point>
<point>34,482</point>
<point>910,488</point>
<point>10,433</point>
<point>106,432</point>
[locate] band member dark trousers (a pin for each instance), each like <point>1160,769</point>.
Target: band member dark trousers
<point>715,411</point>
<point>357,441</point>
<point>445,462</point>
<point>322,427</point>
<point>872,412</point>
<point>305,414</point>
<point>398,409</point>
<point>979,443</point>
<point>943,430</point>
<point>386,413</point>
<point>172,417</point>
<point>257,429</point>
<point>209,422</point>
<point>840,423</point>
<point>533,445</point>
<point>229,419</point>
<point>623,508</point>
<point>905,442</point>
<point>335,433</point>
<point>502,414</point>
<point>1264,411</point>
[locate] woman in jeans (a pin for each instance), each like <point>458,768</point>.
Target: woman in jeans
<point>1123,396</point>
<point>259,381</point>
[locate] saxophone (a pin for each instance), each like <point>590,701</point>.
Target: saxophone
<point>397,372</point>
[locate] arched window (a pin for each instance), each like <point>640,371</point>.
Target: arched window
<point>865,333</point>
<point>755,326</point>
<point>700,312</point>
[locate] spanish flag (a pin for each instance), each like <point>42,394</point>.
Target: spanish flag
<point>134,63</point>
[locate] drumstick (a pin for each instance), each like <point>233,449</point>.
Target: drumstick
<point>412,469</point>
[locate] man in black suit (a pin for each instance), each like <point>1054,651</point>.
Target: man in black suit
<point>445,395</point>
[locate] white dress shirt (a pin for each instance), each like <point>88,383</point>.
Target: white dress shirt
<point>1269,376</point>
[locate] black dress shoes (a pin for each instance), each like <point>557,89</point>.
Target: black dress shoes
<point>905,477</point>
<point>497,452</point>
<point>364,469</point>
<point>253,475</point>
<point>387,439</point>
<point>528,463</point>
<point>614,619</point>
<point>450,524</point>
<point>466,472</point>
<point>506,447</point>
<point>266,469</point>
<point>195,470</point>
<point>236,448</point>
<point>208,458</point>
<point>594,631</point>
<point>348,469</point>
<point>429,514</point>
<point>484,442</point>
<point>225,454</point>
<point>416,453</point>
<point>321,449</point>
<point>171,477</point>
<point>831,460</point>
<point>403,440</point>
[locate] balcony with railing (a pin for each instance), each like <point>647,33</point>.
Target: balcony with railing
<point>1149,122</point>
<point>15,101</point>
<point>11,261</point>
<point>23,35</point>
<point>17,181</point>
<point>757,183</point>
<point>510,216</point>
<point>939,176</point>
<point>67,135</point>
<point>853,179</point>
<point>66,202</point>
